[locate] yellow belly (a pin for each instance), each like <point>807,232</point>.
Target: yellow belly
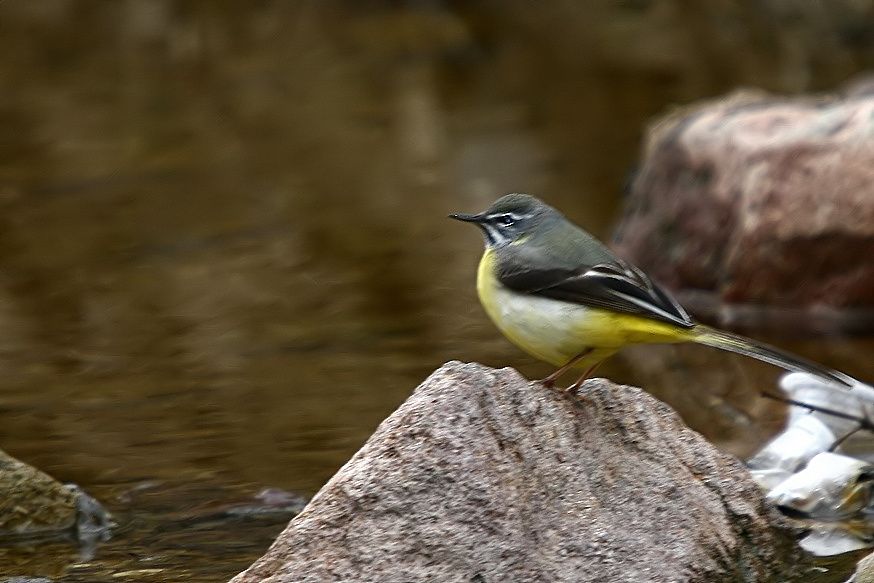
<point>556,331</point>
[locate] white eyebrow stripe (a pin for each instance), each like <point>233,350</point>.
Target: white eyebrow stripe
<point>512,215</point>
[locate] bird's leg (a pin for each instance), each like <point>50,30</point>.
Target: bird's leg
<point>573,388</point>
<point>550,380</point>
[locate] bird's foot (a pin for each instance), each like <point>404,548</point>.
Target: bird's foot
<point>573,392</point>
<point>574,389</point>
<point>549,382</point>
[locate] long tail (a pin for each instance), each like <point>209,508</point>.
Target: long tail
<point>767,353</point>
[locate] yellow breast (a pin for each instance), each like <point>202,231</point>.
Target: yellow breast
<point>556,331</point>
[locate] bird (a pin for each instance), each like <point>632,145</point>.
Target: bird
<point>562,296</point>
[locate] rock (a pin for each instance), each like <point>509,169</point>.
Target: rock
<point>31,501</point>
<point>484,476</point>
<point>756,199</point>
<point>864,571</point>
<point>34,504</point>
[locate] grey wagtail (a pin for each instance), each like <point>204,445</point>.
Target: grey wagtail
<point>559,294</point>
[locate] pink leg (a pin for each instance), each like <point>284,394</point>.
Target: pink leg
<point>574,387</point>
<point>550,380</point>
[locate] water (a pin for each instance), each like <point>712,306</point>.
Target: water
<point>224,256</point>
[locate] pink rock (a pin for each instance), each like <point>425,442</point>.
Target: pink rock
<point>761,200</point>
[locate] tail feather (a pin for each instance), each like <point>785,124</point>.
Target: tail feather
<point>767,353</point>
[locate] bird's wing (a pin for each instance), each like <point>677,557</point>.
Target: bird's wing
<point>615,285</point>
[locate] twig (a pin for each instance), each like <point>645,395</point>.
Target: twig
<point>864,422</point>
<point>844,438</point>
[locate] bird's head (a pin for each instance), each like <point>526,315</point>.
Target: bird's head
<point>510,218</point>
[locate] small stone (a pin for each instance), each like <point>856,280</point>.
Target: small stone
<point>32,502</point>
<point>865,570</point>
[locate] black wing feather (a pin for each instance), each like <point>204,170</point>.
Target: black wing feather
<point>617,286</point>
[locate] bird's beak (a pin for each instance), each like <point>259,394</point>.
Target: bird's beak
<point>467,218</point>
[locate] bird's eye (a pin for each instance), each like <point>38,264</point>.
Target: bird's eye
<point>506,220</point>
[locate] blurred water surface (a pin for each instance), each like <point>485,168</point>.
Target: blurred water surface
<point>224,256</point>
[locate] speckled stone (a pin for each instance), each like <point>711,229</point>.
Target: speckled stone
<point>31,501</point>
<point>864,570</point>
<point>483,476</point>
